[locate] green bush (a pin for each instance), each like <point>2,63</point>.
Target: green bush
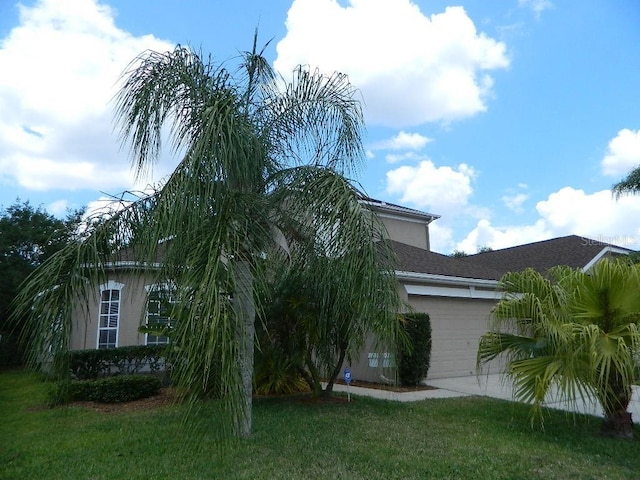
<point>117,389</point>
<point>91,364</point>
<point>413,364</point>
<point>274,374</point>
<point>123,388</point>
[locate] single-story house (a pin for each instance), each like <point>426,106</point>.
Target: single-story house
<point>458,293</point>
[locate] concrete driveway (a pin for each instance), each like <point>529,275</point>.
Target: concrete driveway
<point>494,386</point>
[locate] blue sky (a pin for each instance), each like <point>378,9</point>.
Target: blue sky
<point>509,119</point>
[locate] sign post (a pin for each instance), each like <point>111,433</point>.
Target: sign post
<point>347,380</point>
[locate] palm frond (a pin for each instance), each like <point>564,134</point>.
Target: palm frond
<point>314,120</point>
<point>630,185</point>
<point>577,333</point>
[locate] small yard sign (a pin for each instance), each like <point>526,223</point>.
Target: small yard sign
<point>347,380</point>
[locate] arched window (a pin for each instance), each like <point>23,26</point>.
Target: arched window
<point>109,314</point>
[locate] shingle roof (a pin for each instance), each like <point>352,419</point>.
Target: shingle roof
<point>418,260</point>
<point>573,251</point>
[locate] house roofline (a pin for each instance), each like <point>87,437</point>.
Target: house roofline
<point>446,279</point>
<point>128,264</point>
<point>602,253</point>
<point>393,210</point>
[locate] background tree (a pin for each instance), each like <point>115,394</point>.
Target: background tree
<point>28,237</point>
<point>575,331</point>
<point>261,173</point>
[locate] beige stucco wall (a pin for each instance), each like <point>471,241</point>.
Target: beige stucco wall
<point>84,333</point>
<point>410,232</point>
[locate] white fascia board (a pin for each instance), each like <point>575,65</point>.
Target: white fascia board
<point>457,292</point>
<point>131,264</point>
<point>393,211</point>
<point>445,279</point>
<point>426,284</point>
<point>603,252</point>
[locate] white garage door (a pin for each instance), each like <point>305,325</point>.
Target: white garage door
<point>457,324</point>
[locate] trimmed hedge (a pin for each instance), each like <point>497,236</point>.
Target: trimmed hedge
<point>414,363</point>
<point>117,389</point>
<point>91,364</point>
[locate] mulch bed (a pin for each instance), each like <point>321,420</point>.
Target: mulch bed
<point>390,388</point>
<point>167,396</point>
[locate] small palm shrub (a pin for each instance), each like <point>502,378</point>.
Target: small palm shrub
<point>276,374</point>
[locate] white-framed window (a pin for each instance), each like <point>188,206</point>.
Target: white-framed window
<point>384,359</point>
<point>159,300</point>
<point>109,314</point>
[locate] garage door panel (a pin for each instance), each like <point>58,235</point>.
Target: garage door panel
<point>457,324</point>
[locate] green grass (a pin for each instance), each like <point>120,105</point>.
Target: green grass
<point>466,438</point>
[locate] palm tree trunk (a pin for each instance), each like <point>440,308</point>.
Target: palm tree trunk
<point>334,374</point>
<point>617,424</point>
<point>246,311</point>
<point>313,375</point>
<point>617,420</point>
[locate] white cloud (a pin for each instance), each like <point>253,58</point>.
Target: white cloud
<point>60,68</point>
<point>537,6</point>
<point>402,157</point>
<point>440,236</point>
<point>58,208</point>
<point>443,190</point>
<point>568,211</point>
<point>486,235</point>
<point>411,68</point>
<point>403,141</point>
<point>623,153</point>
<point>514,202</point>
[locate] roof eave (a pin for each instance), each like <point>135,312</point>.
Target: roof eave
<point>445,279</point>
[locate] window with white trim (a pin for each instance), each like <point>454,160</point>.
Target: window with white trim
<point>109,314</point>
<point>159,302</point>
<point>385,359</point>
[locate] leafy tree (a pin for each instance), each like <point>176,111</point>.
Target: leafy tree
<point>484,249</point>
<point>28,237</point>
<point>261,175</point>
<point>312,323</point>
<point>575,331</point>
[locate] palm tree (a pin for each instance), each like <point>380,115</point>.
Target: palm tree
<point>574,331</point>
<point>261,174</point>
<point>630,185</point>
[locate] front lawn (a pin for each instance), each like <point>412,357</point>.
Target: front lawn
<point>466,438</point>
